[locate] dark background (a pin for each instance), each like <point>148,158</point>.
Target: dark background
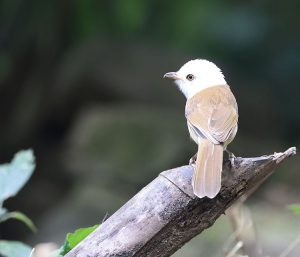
<point>81,84</point>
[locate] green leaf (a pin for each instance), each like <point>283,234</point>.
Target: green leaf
<point>73,239</point>
<point>14,249</point>
<point>19,216</point>
<point>14,175</point>
<point>295,208</point>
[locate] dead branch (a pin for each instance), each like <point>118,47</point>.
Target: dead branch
<point>165,214</point>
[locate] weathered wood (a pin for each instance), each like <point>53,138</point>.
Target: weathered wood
<point>165,214</point>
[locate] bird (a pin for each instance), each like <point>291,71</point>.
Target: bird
<point>211,112</point>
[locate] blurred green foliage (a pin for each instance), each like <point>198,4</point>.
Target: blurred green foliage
<point>254,41</point>
<point>295,208</point>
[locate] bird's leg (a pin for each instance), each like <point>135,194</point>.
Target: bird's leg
<point>230,154</point>
<point>193,159</point>
<point>231,157</point>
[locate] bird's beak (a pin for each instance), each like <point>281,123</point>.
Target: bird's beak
<point>171,75</point>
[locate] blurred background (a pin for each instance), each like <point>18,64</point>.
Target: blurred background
<point>81,84</point>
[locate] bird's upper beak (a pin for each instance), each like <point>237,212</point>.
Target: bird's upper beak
<point>171,75</point>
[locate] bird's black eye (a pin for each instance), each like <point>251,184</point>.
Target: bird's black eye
<point>190,77</point>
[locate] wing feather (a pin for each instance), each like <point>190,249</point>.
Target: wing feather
<point>213,113</point>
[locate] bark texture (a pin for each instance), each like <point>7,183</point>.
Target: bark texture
<point>166,214</point>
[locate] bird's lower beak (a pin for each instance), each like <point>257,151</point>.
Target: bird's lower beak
<point>171,75</point>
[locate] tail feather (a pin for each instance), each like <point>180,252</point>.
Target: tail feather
<point>207,174</point>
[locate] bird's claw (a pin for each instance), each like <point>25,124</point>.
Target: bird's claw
<point>231,157</point>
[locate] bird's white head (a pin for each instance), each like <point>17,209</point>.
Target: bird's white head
<point>197,75</point>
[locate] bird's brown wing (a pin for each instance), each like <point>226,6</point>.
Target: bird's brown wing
<point>213,113</point>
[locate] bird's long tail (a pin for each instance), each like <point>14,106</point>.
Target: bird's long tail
<point>207,174</point>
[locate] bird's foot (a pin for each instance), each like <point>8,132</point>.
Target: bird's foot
<point>231,157</point>
<point>193,159</point>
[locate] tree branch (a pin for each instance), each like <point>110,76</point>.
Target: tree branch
<point>166,214</point>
